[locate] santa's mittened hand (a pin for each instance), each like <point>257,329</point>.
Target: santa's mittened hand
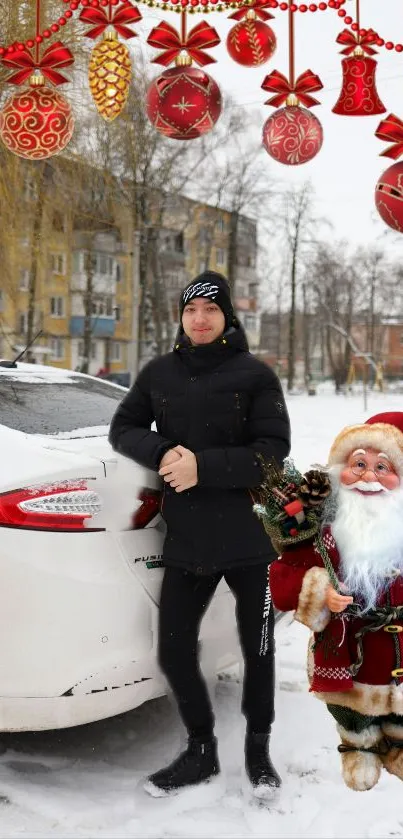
<point>337,602</point>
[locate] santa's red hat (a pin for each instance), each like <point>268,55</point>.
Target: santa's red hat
<point>383,432</point>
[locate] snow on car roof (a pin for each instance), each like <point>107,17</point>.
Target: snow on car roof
<point>38,373</point>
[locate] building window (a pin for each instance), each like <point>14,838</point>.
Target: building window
<point>57,347</point>
<point>220,256</point>
<point>1,300</point>
<point>103,264</point>
<point>58,263</point>
<point>59,221</point>
<point>77,262</point>
<point>202,265</point>
<point>179,245</point>
<point>57,307</point>
<point>221,224</point>
<point>22,323</point>
<point>109,307</point>
<point>24,279</point>
<point>118,313</point>
<point>249,322</point>
<point>401,339</point>
<point>116,351</point>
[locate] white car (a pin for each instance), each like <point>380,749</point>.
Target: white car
<point>80,559</point>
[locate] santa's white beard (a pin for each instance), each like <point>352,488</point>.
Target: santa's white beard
<point>368,531</point>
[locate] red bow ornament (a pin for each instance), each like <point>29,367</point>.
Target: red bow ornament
<point>305,84</point>
<point>354,41</point>
<point>201,36</point>
<point>258,7</point>
<point>391,130</point>
<point>119,20</point>
<point>55,56</point>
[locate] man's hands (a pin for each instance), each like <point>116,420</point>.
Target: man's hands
<point>169,457</point>
<point>337,602</point>
<point>178,468</point>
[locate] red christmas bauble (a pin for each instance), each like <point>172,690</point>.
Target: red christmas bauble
<point>36,122</point>
<point>251,42</point>
<point>389,196</point>
<point>183,103</point>
<point>292,135</point>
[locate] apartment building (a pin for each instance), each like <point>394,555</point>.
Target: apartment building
<point>79,272</point>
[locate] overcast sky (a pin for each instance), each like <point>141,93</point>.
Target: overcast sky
<point>345,171</point>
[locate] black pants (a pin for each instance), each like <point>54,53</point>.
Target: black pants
<point>184,600</point>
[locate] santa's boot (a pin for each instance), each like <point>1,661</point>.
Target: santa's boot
<point>393,759</point>
<point>360,757</point>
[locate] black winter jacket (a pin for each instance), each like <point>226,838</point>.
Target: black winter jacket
<point>226,406</point>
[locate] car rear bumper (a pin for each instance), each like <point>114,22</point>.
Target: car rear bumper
<point>20,714</point>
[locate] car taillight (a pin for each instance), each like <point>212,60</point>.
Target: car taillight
<point>65,505</point>
<point>150,506</point>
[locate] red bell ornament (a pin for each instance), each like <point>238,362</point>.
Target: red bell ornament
<point>389,196</point>
<point>292,135</point>
<point>251,42</point>
<point>37,121</point>
<point>183,103</point>
<point>359,96</point>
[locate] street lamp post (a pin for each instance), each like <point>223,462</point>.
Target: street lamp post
<point>133,345</point>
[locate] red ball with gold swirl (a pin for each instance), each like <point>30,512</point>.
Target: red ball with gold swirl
<point>251,42</point>
<point>389,196</point>
<point>183,103</point>
<point>292,135</point>
<point>36,122</point>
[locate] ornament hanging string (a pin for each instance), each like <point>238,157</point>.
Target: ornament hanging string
<point>38,29</point>
<point>291,48</point>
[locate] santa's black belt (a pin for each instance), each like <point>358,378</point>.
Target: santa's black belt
<point>379,618</point>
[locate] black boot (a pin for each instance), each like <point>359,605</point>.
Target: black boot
<point>259,768</point>
<point>198,763</point>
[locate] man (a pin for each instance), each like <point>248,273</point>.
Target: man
<point>347,586</point>
<point>217,410</point>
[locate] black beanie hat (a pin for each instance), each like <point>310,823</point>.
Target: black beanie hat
<point>215,287</point>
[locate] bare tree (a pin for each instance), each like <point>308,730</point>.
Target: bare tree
<point>298,229</point>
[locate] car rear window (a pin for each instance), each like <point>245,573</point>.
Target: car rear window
<point>37,405</point>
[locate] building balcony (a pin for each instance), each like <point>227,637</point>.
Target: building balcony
<point>101,327</point>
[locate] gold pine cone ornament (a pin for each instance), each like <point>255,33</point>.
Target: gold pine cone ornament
<point>109,75</point>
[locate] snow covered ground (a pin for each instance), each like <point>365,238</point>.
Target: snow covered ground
<point>87,782</point>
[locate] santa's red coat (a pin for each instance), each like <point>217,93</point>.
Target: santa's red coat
<point>298,581</point>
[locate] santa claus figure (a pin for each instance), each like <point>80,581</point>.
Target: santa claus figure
<point>346,585</point>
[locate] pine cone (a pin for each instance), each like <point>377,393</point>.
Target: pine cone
<point>314,488</point>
